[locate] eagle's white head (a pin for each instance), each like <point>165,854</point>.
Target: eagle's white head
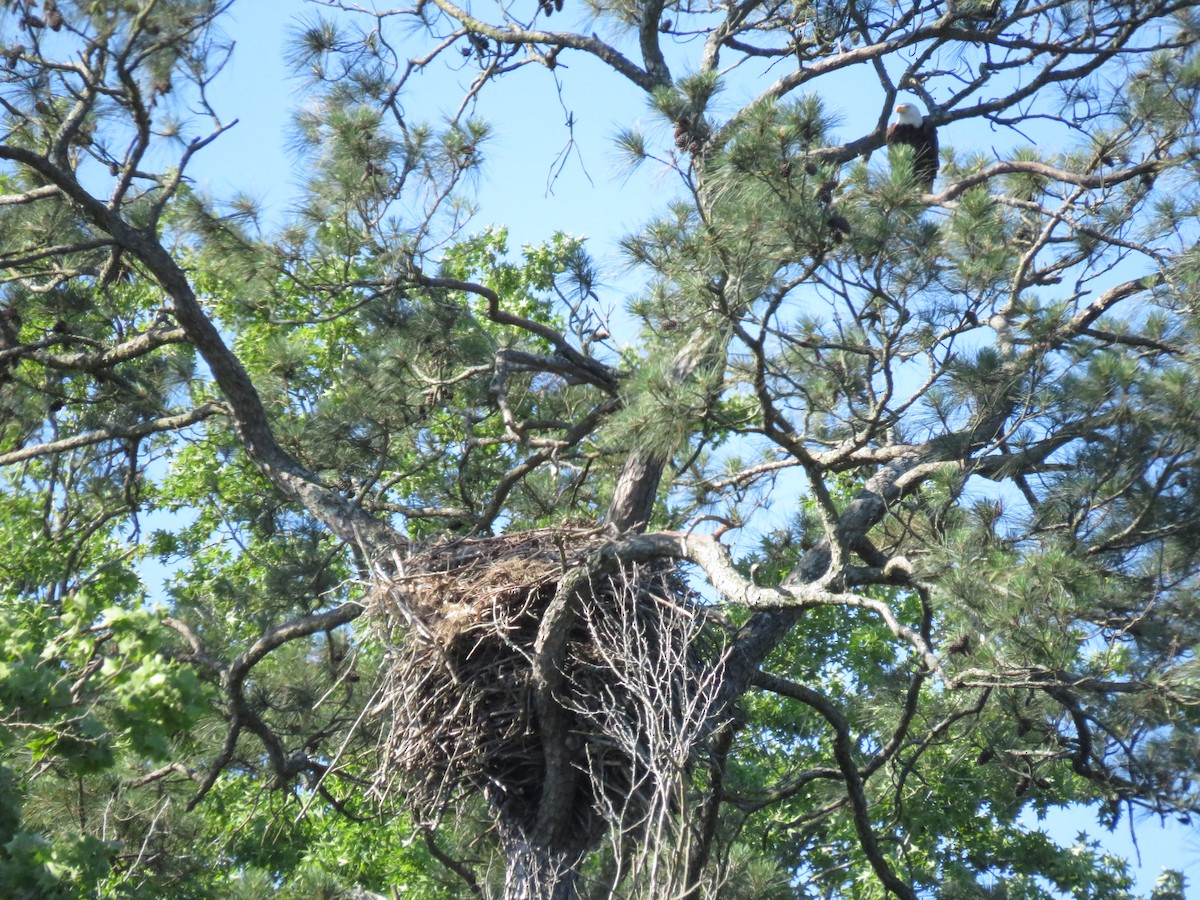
<point>907,114</point>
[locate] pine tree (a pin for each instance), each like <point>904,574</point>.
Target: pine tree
<point>445,597</point>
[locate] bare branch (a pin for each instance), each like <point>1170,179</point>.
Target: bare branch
<point>115,433</point>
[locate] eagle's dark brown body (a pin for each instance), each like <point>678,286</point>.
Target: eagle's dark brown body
<point>911,130</point>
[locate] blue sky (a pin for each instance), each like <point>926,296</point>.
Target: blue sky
<point>530,132</point>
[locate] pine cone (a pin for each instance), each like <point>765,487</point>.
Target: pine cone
<point>688,137</point>
<point>961,644</point>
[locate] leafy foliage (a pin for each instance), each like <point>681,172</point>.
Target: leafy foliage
<point>959,428</point>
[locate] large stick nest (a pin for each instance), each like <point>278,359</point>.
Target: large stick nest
<point>460,621</point>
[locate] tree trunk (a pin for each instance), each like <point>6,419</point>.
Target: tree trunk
<point>633,501</point>
<point>637,489</point>
<point>538,873</point>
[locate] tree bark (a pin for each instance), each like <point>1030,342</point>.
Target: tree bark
<point>637,489</point>
<point>537,872</point>
<point>633,501</point>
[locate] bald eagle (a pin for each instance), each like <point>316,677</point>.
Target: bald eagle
<point>911,130</point>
